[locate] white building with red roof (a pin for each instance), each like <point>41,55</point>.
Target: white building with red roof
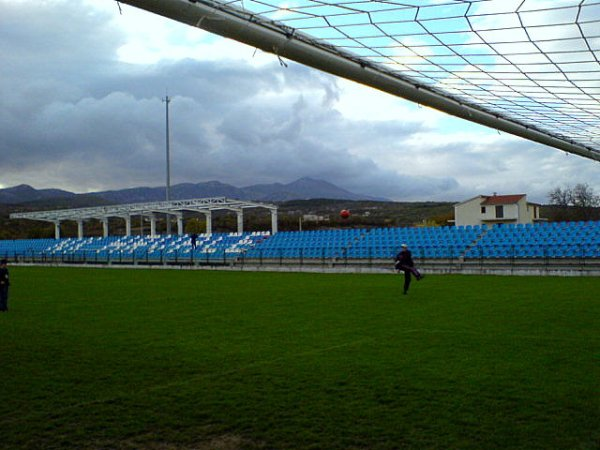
<point>493,209</point>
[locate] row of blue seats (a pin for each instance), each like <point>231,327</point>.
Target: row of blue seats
<point>529,251</point>
<point>555,240</point>
<point>132,247</point>
<point>567,240</point>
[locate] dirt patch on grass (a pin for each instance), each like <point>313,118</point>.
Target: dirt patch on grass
<point>225,442</point>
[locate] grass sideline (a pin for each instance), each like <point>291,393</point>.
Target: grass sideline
<point>166,359</point>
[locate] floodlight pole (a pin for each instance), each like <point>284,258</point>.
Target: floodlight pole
<point>166,101</point>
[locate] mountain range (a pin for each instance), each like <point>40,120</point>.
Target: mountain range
<point>301,189</point>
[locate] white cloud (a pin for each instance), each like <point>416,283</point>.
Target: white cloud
<point>150,39</point>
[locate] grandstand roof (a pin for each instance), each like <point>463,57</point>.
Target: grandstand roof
<point>167,207</point>
<point>527,67</point>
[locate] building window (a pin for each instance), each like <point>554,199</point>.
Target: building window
<point>483,210</point>
<point>499,212</point>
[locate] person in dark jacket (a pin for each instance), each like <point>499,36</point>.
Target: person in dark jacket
<point>4,283</point>
<point>405,263</point>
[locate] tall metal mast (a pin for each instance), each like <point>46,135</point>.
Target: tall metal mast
<point>167,100</point>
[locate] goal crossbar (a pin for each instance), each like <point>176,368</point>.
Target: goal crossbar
<point>286,42</point>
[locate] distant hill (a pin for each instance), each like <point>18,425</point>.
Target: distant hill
<point>24,193</point>
<point>178,192</point>
<point>301,189</point>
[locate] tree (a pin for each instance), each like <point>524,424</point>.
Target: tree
<point>583,196</point>
<point>581,200</point>
<point>560,197</point>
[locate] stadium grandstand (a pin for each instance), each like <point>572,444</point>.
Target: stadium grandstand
<point>571,245</point>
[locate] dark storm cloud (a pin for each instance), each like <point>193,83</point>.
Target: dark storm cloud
<point>74,116</point>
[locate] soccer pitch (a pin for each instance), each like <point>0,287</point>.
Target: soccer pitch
<point>181,359</point>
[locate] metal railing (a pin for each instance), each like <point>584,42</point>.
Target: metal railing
<point>368,256</point>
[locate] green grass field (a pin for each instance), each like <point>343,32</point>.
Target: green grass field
<point>168,359</point>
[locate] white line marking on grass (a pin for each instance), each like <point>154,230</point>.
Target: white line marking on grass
<point>182,382</point>
<point>7,419</point>
<point>490,335</point>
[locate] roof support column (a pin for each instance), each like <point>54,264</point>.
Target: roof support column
<point>80,228</point>
<point>179,223</point>
<point>208,222</point>
<point>240,221</point>
<point>105,226</point>
<point>168,223</point>
<point>57,229</point>
<point>152,225</point>
<point>273,221</point>
<point>127,225</point>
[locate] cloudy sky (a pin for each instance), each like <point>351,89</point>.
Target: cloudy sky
<point>81,95</point>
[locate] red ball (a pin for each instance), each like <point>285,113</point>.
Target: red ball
<point>344,213</point>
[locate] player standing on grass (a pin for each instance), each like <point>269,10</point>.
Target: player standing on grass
<point>4,283</point>
<point>405,263</point>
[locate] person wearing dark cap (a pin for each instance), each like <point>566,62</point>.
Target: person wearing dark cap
<point>405,263</point>
<point>4,283</point>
